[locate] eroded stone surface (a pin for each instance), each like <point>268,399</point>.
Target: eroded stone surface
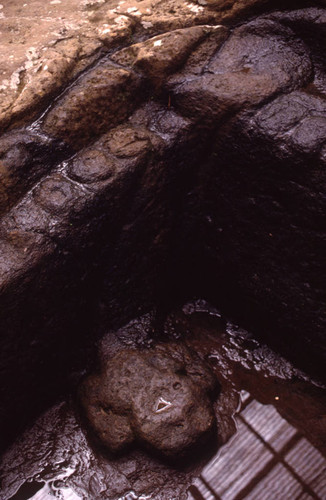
<point>295,123</point>
<point>254,64</point>
<point>101,100</point>
<point>45,45</point>
<point>24,158</point>
<point>56,449</point>
<point>161,55</point>
<point>94,166</point>
<point>195,170</point>
<point>159,398</point>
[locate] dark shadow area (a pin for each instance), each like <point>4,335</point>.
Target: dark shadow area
<point>28,490</point>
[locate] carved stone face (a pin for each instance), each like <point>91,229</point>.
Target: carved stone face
<point>159,397</point>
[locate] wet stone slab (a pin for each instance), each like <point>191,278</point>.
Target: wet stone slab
<point>277,408</point>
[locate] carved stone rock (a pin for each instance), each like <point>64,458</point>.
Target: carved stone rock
<point>150,154</point>
<point>160,398</point>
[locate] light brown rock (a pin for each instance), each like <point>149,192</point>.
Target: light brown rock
<point>99,101</point>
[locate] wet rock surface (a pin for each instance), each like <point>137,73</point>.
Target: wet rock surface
<point>170,157</point>
<point>24,158</point>
<point>255,63</point>
<point>57,457</point>
<point>83,114</point>
<point>159,397</point>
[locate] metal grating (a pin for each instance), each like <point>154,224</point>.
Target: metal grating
<point>267,460</point>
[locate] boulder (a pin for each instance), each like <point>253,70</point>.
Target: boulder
<point>160,398</point>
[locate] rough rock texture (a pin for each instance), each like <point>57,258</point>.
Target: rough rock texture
<point>254,64</point>
<point>24,158</point>
<point>60,440</point>
<point>162,162</point>
<point>45,45</point>
<point>158,397</point>
<point>83,113</point>
<point>158,57</point>
<point>56,456</point>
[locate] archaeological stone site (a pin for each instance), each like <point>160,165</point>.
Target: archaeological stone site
<point>163,249</point>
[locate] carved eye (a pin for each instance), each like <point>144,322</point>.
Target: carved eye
<point>176,385</point>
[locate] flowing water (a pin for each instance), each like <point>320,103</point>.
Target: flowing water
<point>271,431</point>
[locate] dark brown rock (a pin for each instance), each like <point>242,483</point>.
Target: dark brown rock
<point>159,397</point>
<point>255,63</point>
<point>128,142</point>
<point>93,166</point>
<point>214,185</point>
<point>57,195</point>
<point>293,125</point>
<point>24,158</point>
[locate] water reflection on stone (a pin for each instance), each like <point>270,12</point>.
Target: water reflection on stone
<point>271,431</point>
<point>268,458</point>
<point>47,492</point>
